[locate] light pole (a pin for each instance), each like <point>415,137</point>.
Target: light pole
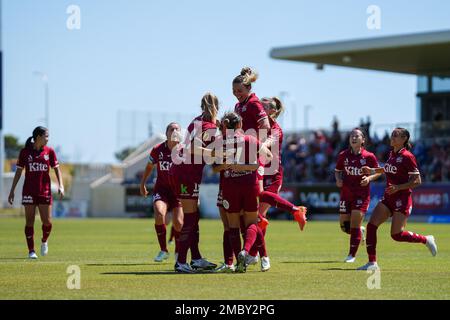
<point>307,108</point>
<point>44,78</point>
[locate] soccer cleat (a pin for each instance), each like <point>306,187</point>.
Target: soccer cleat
<point>431,245</point>
<point>162,255</point>
<point>263,223</point>
<point>363,236</point>
<point>32,255</point>
<point>241,266</point>
<point>369,266</point>
<point>350,259</point>
<point>44,248</point>
<point>225,268</point>
<point>251,260</point>
<point>300,217</point>
<point>202,264</point>
<point>265,264</point>
<point>170,242</point>
<point>183,268</point>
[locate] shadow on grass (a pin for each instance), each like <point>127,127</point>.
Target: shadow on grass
<point>149,273</point>
<point>312,262</point>
<point>338,269</point>
<point>121,264</point>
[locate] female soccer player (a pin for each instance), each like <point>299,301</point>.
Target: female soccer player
<point>37,159</point>
<point>241,187</point>
<point>186,174</point>
<point>273,180</point>
<point>402,175</point>
<point>355,188</point>
<point>163,198</point>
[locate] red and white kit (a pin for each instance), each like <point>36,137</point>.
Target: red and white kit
<point>398,168</point>
<point>37,163</point>
<point>161,156</point>
<point>353,195</point>
<point>240,189</point>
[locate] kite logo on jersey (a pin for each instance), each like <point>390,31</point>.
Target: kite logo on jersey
<point>353,171</point>
<point>164,165</point>
<point>390,168</point>
<point>36,167</point>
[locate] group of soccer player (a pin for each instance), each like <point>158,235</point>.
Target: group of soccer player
<point>245,147</point>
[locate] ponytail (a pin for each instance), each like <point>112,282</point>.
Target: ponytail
<point>274,103</point>
<point>230,120</point>
<point>405,133</point>
<point>246,77</point>
<point>210,106</point>
<point>37,132</point>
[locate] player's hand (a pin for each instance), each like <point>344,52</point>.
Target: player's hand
<point>144,191</point>
<point>365,181</point>
<point>366,170</point>
<point>339,183</point>
<point>11,198</point>
<point>392,189</point>
<point>61,192</point>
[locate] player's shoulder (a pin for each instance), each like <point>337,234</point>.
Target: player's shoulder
<point>407,153</point>
<point>344,153</point>
<point>367,154</point>
<point>48,150</point>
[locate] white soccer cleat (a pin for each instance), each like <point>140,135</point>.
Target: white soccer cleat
<point>251,260</point>
<point>225,268</point>
<point>202,264</point>
<point>183,268</point>
<point>241,266</point>
<point>265,264</point>
<point>369,266</point>
<point>162,255</point>
<point>32,255</point>
<point>44,248</point>
<point>431,245</point>
<point>363,236</point>
<point>350,259</point>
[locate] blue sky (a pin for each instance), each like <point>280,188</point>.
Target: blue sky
<point>162,56</point>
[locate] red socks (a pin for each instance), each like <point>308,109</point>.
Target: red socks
<point>253,236</point>
<point>29,234</point>
<point>195,252</point>
<point>185,238</point>
<point>259,246</point>
<point>161,233</point>
<point>46,229</point>
<point>235,241</point>
<point>355,239</point>
<point>408,236</point>
<point>371,242</point>
<point>276,201</point>
<point>227,248</point>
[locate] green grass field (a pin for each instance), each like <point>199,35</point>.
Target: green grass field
<point>116,262</point>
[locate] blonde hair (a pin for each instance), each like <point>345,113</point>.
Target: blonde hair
<point>210,106</point>
<point>246,77</point>
<point>274,103</point>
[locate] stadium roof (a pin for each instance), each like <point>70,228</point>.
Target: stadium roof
<point>421,54</point>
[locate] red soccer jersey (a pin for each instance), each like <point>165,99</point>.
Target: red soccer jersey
<point>350,165</point>
<point>398,168</point>
<point>277,133</point>
<point>37,164</point>
<point>252,112</point>
<point>245,149</point>
<point>161,156</point>
<point>202,132</point>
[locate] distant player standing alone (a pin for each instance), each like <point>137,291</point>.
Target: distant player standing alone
<point>402,175</point>
<point>37,159</point>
